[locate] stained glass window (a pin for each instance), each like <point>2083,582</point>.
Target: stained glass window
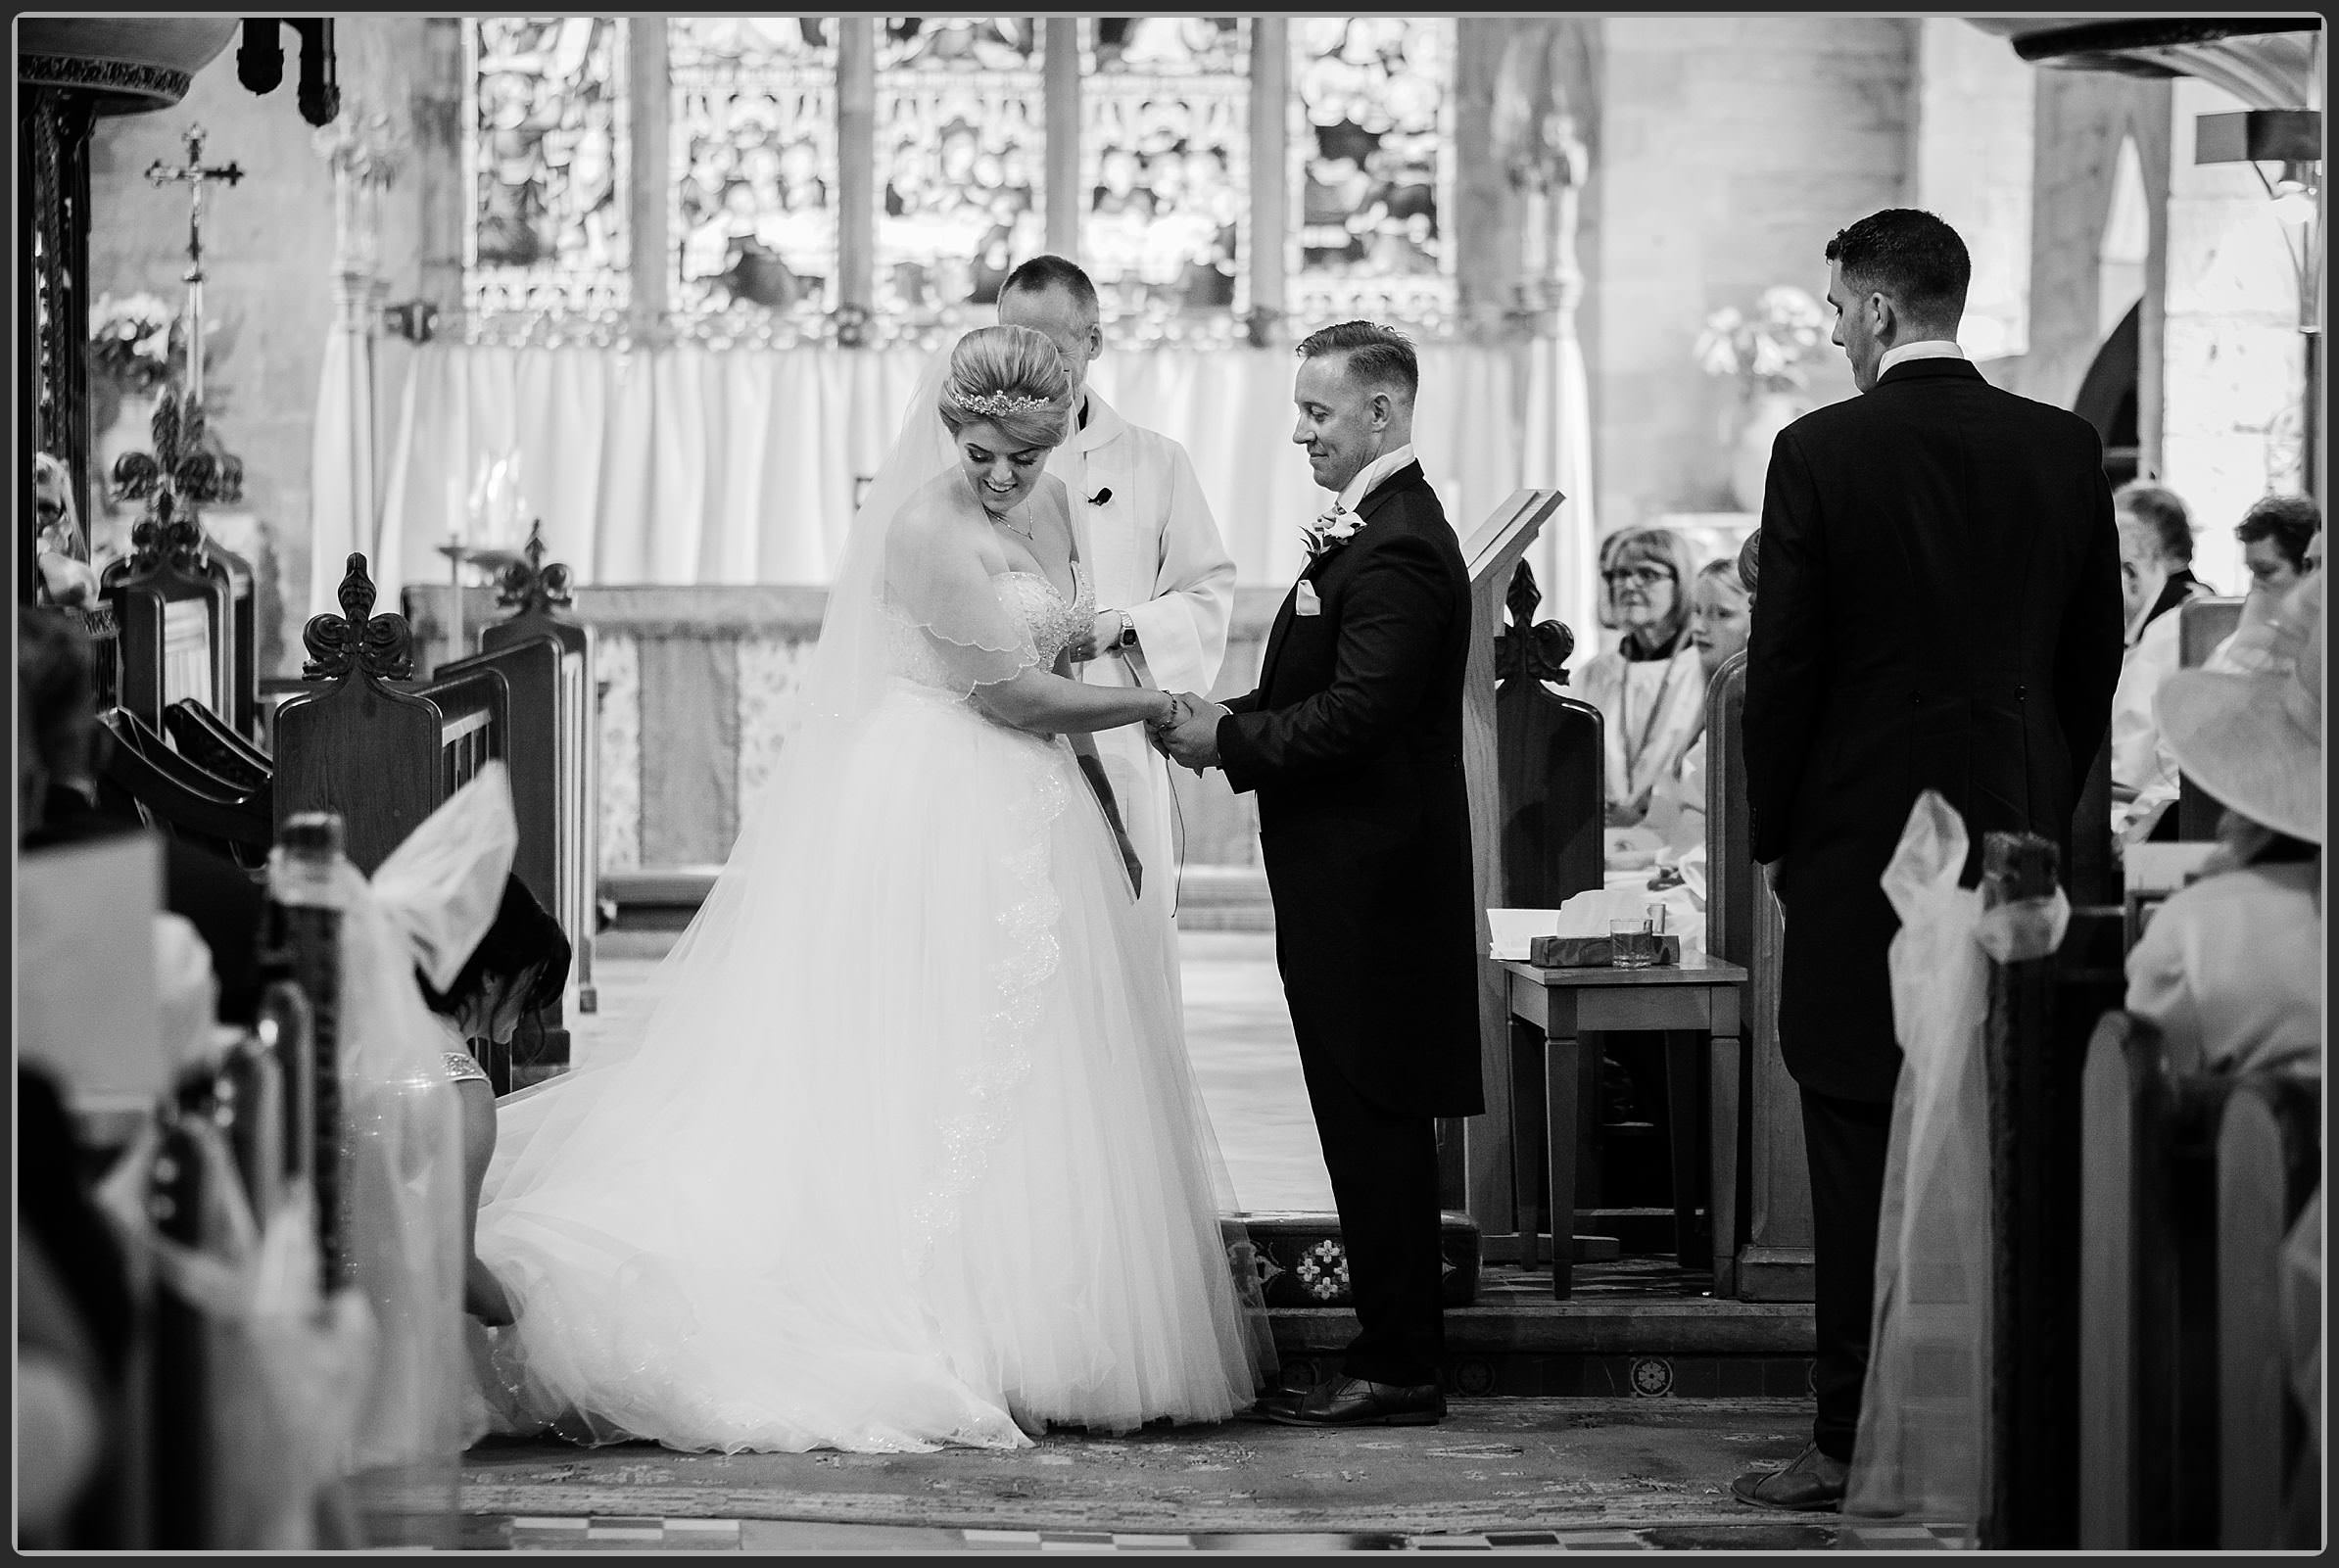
<point>546,163</point>
<point>1165,173</point>
<point>1371,171</point>
<point>961,134</point>
<point>752,219</point>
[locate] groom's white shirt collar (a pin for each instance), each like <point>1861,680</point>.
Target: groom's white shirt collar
<point>1371,474</point>
<point>1929,349</point>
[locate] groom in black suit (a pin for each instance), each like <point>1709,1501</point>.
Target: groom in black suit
<point>1354,741</point>
<point>1940,610</point>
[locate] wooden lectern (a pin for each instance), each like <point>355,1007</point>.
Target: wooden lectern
<point>1490,550</point>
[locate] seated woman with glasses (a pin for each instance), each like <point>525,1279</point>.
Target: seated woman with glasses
<point>1650,688</point>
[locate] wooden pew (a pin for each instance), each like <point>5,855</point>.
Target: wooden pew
<point>2041,1013</point>
<point>546,710</point>
<point>2269,1157</point>
<point>175,606</point>
<point>367,746</point>
<point>140,774</point>
<point>568,793</point>
<point>2148,1296</point>
<point>1762,1227</point>
<point>2201,625</point>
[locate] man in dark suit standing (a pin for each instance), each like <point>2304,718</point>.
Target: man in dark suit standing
<point>1354,741</point>
<point>1940,610</point>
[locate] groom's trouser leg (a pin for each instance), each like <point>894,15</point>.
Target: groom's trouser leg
<point>1384,1171</point>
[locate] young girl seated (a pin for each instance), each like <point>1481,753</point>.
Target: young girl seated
<point>519,966</point>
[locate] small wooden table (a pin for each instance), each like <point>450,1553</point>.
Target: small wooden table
<point>1699,994</point>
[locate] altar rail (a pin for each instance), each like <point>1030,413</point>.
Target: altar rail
<point>692,686</point>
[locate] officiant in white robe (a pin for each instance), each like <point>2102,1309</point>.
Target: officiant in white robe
<point>1164,584</point>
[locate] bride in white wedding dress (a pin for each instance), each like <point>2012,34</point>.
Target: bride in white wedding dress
<point>910,1152</point>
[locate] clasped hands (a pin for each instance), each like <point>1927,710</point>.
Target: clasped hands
<point>1189,735</point>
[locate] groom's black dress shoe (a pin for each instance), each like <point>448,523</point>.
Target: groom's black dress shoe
<point>1355,1402</point>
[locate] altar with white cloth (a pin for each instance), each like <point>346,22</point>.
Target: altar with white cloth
<point>695,466</point>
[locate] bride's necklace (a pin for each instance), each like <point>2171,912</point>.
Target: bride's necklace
<point>1003,520</point>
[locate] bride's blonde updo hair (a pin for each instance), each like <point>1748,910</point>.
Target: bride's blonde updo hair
<point>1013,379</point>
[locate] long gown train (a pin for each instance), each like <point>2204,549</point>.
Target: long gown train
<point>910,1153</point>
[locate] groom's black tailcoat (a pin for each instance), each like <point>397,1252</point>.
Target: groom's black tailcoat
<point>1354,742</point>
<point>1937,607</point>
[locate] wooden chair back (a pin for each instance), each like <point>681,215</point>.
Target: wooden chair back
<point>139,773</point>
<point>369,748</point>
<point>1549,761</point>
<point>2148,1271</point>
<point>2269,1159</point>
<point>2201,625</point>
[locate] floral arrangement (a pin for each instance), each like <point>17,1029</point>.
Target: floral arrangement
<point>1768,350</point>
<point>139,343</point>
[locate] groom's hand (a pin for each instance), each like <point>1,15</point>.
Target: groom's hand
<point>1192,737</point>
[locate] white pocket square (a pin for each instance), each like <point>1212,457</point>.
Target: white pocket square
<point>1307,603</point>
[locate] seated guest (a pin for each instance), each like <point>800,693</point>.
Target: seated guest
<point>57,767</point>
<point>1721,613</point>
<point>519,966</point>
<point>2280,538</point>
<point>63,556</point>
<point>1648,690</point>
<point>2156,577</point>
<point>2230,967</point>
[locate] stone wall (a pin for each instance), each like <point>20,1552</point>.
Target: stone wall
<point>2082,118</point>
<point>1729,149</point>
<point>2232,363</point>
<point>268,259</point>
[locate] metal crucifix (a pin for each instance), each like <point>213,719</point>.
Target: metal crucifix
<point>194,175</point>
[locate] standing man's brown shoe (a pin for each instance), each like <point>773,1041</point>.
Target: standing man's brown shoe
<point>1812,1484</point>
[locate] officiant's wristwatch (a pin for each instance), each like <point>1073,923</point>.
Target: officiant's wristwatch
<point>1128,631</point>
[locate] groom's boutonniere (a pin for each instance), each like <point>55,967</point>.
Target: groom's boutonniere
<point>1333,529</point>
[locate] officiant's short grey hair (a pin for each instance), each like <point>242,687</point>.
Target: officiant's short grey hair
<point>1044,272</point>
<point>1377,355</point>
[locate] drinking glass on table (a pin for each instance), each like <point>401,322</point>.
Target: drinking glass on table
<point>1632,944</point>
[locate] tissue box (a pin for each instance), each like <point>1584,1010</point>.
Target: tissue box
<point>1591,952</point>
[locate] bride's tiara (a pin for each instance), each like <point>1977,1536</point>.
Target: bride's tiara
<point>996,404</point>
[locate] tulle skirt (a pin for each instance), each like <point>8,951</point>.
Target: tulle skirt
<point>910,1152</point>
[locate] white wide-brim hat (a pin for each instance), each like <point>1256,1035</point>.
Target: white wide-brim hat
<point>2254,742</point>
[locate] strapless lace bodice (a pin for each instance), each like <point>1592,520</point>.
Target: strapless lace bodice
<point>1035,601</point>
<point>1031,600</point>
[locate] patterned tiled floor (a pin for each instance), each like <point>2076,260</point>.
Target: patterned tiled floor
<point>1757,1534</point>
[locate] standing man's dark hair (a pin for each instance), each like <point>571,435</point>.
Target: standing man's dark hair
<point>1377,355</point>
<point>1913,257</point>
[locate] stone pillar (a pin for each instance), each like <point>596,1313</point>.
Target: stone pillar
<point>1060,65</point>
<point>1271,172</point>
<point>365,152</point>
<point>2232,372</point>
<point>648,115</point>
<point>856,158</point>
<point>1970,164</point>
